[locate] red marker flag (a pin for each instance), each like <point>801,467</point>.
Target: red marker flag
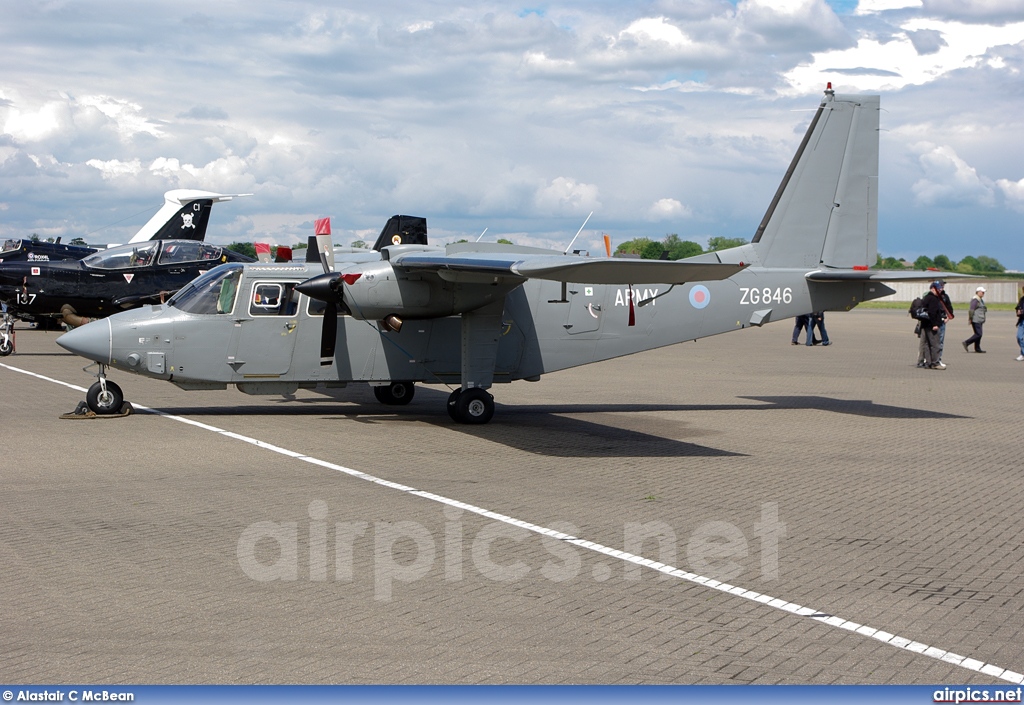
<point>323,226</point>
<point>262,247</point>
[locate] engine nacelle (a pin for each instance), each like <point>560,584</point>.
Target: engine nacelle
<point>377,290</point>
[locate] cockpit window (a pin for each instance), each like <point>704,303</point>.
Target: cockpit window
<point>10,246</point>
<point>124,257</point>
<point>189,251</point>
<point>212,293</point>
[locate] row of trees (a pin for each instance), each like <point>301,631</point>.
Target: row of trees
<point>968,265</point>
<point>673,247</point>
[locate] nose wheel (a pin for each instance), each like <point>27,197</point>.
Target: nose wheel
<point>471,406</point>
<point>104,397</point>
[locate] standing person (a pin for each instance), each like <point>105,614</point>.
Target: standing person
<point>947,313</point>
<point>932,303</point>
<point>976,317</point>
<point>817,319</point>
<point>1020,326</point>
<point>801,324</point>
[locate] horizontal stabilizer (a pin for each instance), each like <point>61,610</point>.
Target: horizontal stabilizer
<point>563,268</point>
<point>883,275</point>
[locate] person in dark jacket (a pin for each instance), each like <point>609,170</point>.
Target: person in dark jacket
<point>933,305</point>
<point>800,325</point>
<point>976,317</point>
<point>947,315</point>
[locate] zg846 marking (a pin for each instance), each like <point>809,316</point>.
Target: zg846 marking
<point>766,295</point>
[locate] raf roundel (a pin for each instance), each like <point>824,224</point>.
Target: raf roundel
<point>700,296</point>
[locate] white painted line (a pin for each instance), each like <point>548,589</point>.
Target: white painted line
<point>821,617</point>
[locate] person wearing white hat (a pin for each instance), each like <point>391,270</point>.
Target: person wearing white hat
<point>976,317</point>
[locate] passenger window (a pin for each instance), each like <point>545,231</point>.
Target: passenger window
<point>274,299</point>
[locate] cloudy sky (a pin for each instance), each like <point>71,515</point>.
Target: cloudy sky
<point>678,116</point>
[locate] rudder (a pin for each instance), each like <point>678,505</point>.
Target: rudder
<point>825,212</point>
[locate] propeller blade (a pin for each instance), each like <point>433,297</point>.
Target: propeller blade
<point>329,334</point>
<point>324,244</point>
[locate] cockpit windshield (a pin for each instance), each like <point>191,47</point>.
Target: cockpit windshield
<point>124,257</point>
<point>9,246</point>
<point>211,293</point>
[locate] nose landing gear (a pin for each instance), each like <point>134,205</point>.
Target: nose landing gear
<point>105,397</point>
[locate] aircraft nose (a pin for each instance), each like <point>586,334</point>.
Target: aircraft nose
<point>91,341</point>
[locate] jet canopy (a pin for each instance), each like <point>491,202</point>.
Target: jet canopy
<point>159,251</point>
<point>9,247</point>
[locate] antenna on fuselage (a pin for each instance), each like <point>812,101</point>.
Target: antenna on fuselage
<point>481,235</point>
<point>578,233</point>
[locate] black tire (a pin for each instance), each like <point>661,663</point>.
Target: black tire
<point>475,406</point>
<point>102,404</point>
<point>395,394</point>
<point>453,404</point>
<point>6,347</point>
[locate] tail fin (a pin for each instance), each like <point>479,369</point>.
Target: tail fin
<point>183,216</point>
<point>402,230</point>
<point>825,212</point>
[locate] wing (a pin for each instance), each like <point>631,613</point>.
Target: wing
<point>471,267</point>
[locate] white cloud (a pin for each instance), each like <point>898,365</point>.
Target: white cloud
<point>564,196</point>
<point>657,30</point>
<point>30,125</point>
<point>895,62</point>
<point>113,168</point>
<point>1013,191</point>
<point>666,208</point>
<point>865,7</point>
<point>949,180</point>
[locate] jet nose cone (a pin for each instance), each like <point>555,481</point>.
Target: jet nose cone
<point>91,341</point>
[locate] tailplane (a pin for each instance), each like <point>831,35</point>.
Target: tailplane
<point>183,216</point>
<point>825,212</point>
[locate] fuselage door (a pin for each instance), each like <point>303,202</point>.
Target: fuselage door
<point>266,319</point>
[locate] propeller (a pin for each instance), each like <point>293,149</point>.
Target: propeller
<point>325,288</point>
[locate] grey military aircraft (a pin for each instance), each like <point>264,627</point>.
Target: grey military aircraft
<point>474,314</point>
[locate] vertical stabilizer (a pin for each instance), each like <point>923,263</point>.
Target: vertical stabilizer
<point>183,216</point>
<point>825,212</point>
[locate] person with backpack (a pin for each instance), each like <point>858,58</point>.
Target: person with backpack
<point>920,315</point>
<point>976,317</point>
<point>935,312</point>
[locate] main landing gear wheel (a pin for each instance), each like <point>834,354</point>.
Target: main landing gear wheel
<point>395,394</point>
<point>471,406</point>
<point>105,402</point>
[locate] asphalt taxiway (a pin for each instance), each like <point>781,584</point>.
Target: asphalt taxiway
<point>865,516</point>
